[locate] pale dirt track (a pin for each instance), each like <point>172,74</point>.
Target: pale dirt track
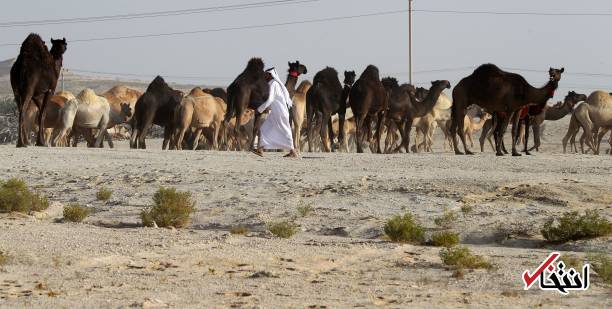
<point>338,259</point>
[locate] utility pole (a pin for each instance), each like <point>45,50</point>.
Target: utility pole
<point>410,41</point>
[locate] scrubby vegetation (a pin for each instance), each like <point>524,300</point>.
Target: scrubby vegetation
<point>104,194</point>
<point>573,226</point>
<point>170,208</point>
<point>305,210</point>
<point>462,257</point>
<point>75,212</point>
<point>8,106</point>
<point>239,230</point>
<point>15,196</point>
<point>447,219</point>
<point>445,239</point>
<point>282,229</point>
<point>467,208</point>
<point>602,264</point>
<point>404,229</point>
<point>3,258</point>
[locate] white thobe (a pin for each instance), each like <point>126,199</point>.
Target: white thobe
<point>275,132</point>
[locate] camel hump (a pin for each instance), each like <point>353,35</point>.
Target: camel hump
<point>488,69</point>
<point>370,73</point>
<point>197,92</point>
<point>255,65</point>
<point>600,99</point>
<point>66,94</point>
<point>444,102</point>
<point>88,96</point>
<point>34,46</point>
<point>304,86</point>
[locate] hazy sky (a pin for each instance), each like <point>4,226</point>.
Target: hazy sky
<point>581,44</point>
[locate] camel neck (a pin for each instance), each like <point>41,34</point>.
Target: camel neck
<point>290,83</point>
<point>558,112</point>
<point>539,96</point>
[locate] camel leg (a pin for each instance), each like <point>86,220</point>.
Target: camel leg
<point>486,128</point>
<point>457,117</point>
<point>359,123</point>
<point>406,139</point>
<point>498,134</point>
<point>526,141</point>
<point>196,139</point>
<point>24,105</point>
<point>379,125</point>
<point>341,134</point>
<point>515,133</point>
<point>536,136</point>
<point>109,139</point>
<point>324,133</point>
<point>400,127</point>
<point>389,137</point>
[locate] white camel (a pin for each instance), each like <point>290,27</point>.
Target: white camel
<point>87,110</point>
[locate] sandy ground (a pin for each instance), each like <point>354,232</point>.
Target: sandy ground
<point>339,257</point>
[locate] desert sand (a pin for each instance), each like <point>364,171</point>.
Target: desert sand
<point>339,258</point>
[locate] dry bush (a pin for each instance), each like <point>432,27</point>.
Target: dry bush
<point>462,257</point>
<point>602,264</point>
<point>573,226</point>
<point>75,212</point>
<point>404,229</point>
<point>445,239</point>
<point>282,229</point>
<point>467,208</point>
<point>15,196</point>
<point>447,219</point>
<point>3,258</point>
<point>171,208</point>
<point>239,230</point>
<point>104,194</point>
<point>305,210</point>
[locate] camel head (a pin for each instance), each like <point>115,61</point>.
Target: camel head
<point>296,69</point>
<point>349,77</point>
<point>126,112</point>
<point>58,47</point>
<point>440,84</point>
<point>555,74</point>
<point>572,98</point>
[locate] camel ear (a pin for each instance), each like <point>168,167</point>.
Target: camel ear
<point>64,39</point>
<point>562,70</point>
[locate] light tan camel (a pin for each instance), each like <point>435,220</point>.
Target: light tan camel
<point>299,111</point>
<point>592,115</point>
<point>51,118</point>
<point>198,110</point>
<point>87,111</point>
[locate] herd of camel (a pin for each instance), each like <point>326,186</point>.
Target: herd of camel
<point>326,113</point>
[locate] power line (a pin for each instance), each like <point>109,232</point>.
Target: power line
<point>510,13</point>
<point>307,21</point>
<point>468,68</point>
<point>149,75</point>
<point>191,11</point>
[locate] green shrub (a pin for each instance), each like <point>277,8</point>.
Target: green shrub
<point>239,230</point>
<point>283,229</point>
<point>467,208</point>
<point>573,226</point>
<point>305,210</point>
<point>75,212</point>
<point>462,257</point>
<point>15,196</point>
<point>602,264</point>
<point>104,194</point>
<point>404,229</point>
<point>171,208</point>
<point>8,106</point>
<point>445,239</point>
<point>447,219</point>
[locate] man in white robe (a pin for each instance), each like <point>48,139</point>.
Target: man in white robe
<point>275,132</point>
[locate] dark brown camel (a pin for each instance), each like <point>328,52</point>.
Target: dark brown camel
<point>554,113</point>
<point>249,90</point>
<point>155,106</point>
<point>368,100</point>
<point>324,99</point>
<point>404,107</point>
<point>498,91</point>
<point>34,78</point>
